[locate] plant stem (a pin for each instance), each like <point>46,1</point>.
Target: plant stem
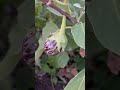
<point>68,27</point>
<point>52,5</point>
<point>52,83</point>
<point>50,20</point>
<point>81,14</point>
<point>66,1</point>
<point>65,4</point>
<point>63,25</point>
<point>38,53</point>
<point>74,21</point>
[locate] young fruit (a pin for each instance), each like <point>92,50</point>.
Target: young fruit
<point>51,47</point>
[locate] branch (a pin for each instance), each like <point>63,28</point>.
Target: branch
<point>52,5</point>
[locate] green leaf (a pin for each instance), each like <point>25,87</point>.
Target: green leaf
<point>16,37</point>
<point>78,32</point>
<point>38,8</point>
<point>55,80</point>
<point>39,22</point>
<point>6,84</point>
<point>38,53</point>
<point>49,28</point>
<point>71,45</point>
<point>105,20</point>
<point>78,82</point>
<point>80,62</point>
<point>91,41</point>
<point>47,69</point>
<point>8,65</point>
<point>58,61</point>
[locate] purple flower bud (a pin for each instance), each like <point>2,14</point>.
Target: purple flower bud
<point>50,47</point>
<point>55,43</point>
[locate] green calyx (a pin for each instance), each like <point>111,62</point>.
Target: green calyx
<point>60,37</point>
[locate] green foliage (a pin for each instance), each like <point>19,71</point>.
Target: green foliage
<point>5,83</point>
<point>71,43</point>
<point>58,61</point>
<point>80,62</point>
<point>78,32</point>
<point>105,20</point>
<point>50,21</point>
<point>38,8</point>
<point>16,37</point>
<point>77,83</point>
<point>54,11</point>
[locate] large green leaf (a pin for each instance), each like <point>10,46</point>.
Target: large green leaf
<point>47,69</point>
<point>58,61</point>
<point>71,45</point>
<point>78,32</point>
<point>91,41</point>
<point>6,83</point>
<point>16,37</point>
<point>78,82</point>
<point>105,19</point>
